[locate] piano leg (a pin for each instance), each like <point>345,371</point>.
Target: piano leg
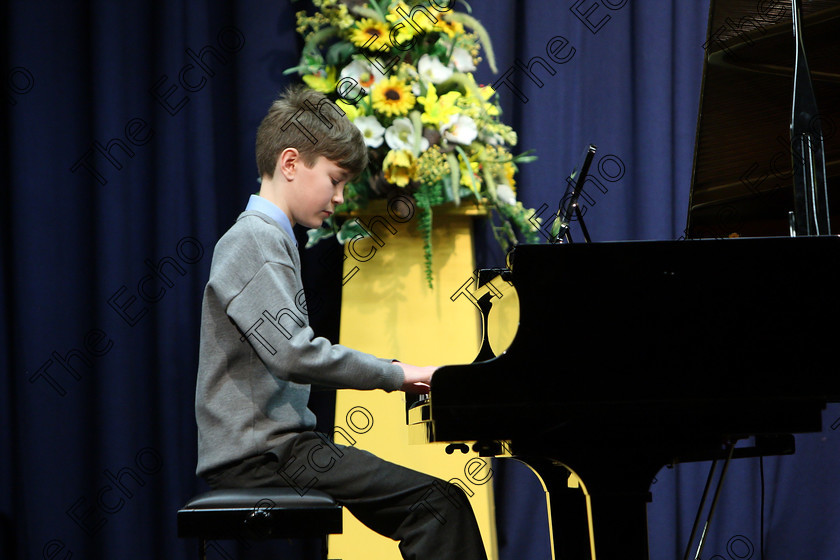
<point>568,523</point>
<point>604,519</point>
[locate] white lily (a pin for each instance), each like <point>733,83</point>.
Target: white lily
<point>459,129</point>
<point>505,194</point>
<point>462,60</point>
<point>363,73</point>
<point>431,69</point>
<point>490,138</point>
<point>400,136</point>
<point>372,131</point>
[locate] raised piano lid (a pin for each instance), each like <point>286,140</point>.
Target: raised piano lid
<point>742,182</point>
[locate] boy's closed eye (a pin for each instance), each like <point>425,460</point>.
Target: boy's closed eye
<point>342,177</point>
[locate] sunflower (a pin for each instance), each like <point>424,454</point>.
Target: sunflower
<point>392,97</point>
<point>364,29</point>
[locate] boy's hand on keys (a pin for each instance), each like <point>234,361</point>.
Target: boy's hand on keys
<point>417,378</point>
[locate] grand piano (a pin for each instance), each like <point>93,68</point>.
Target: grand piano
<point>661,352</point>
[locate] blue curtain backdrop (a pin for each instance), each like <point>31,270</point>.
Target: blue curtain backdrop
<point>128,150</point>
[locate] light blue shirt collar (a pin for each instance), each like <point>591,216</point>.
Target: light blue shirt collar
<point>271,210</point>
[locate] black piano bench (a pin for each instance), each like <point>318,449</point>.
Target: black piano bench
<point>259,513</point>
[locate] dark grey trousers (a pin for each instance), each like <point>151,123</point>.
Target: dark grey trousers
<point>431,518</point>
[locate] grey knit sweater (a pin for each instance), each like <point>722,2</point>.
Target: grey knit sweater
<point>258,355</point>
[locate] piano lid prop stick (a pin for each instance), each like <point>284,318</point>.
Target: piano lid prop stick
<point>696,524</point>
<point>730,450</point>
<point>809,174</point>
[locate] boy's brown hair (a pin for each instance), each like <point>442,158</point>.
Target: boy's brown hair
<point>308,121</point>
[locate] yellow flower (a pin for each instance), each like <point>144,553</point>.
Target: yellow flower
<point>392,14</point>
<point>437,110</point>
<point>352,111</point>
<point>423,22</point>
<point>451,28</point>
<point>406,31</point>
<point>432,166</point>
<point>508,170</point>
<point>476,97</point>
<point>399,166</point>
<point>467,178</point>
<point>392,97</point>
<point>323,81</point>
<point>367,28</point>
<point>491,109</point>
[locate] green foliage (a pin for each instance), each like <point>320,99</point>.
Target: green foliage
<point>427,196</point>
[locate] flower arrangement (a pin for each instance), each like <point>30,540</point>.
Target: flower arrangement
<point>401,70</point>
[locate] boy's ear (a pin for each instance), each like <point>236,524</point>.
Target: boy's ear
<point>287,162</point>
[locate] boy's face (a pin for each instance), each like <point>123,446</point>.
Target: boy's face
<point>318,190</point>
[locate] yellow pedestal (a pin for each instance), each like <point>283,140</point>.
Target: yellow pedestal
<point>389,310</point>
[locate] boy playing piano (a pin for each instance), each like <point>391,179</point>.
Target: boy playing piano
<point>258,355</point>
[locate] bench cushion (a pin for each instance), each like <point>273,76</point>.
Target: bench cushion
<point>259,513</point>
